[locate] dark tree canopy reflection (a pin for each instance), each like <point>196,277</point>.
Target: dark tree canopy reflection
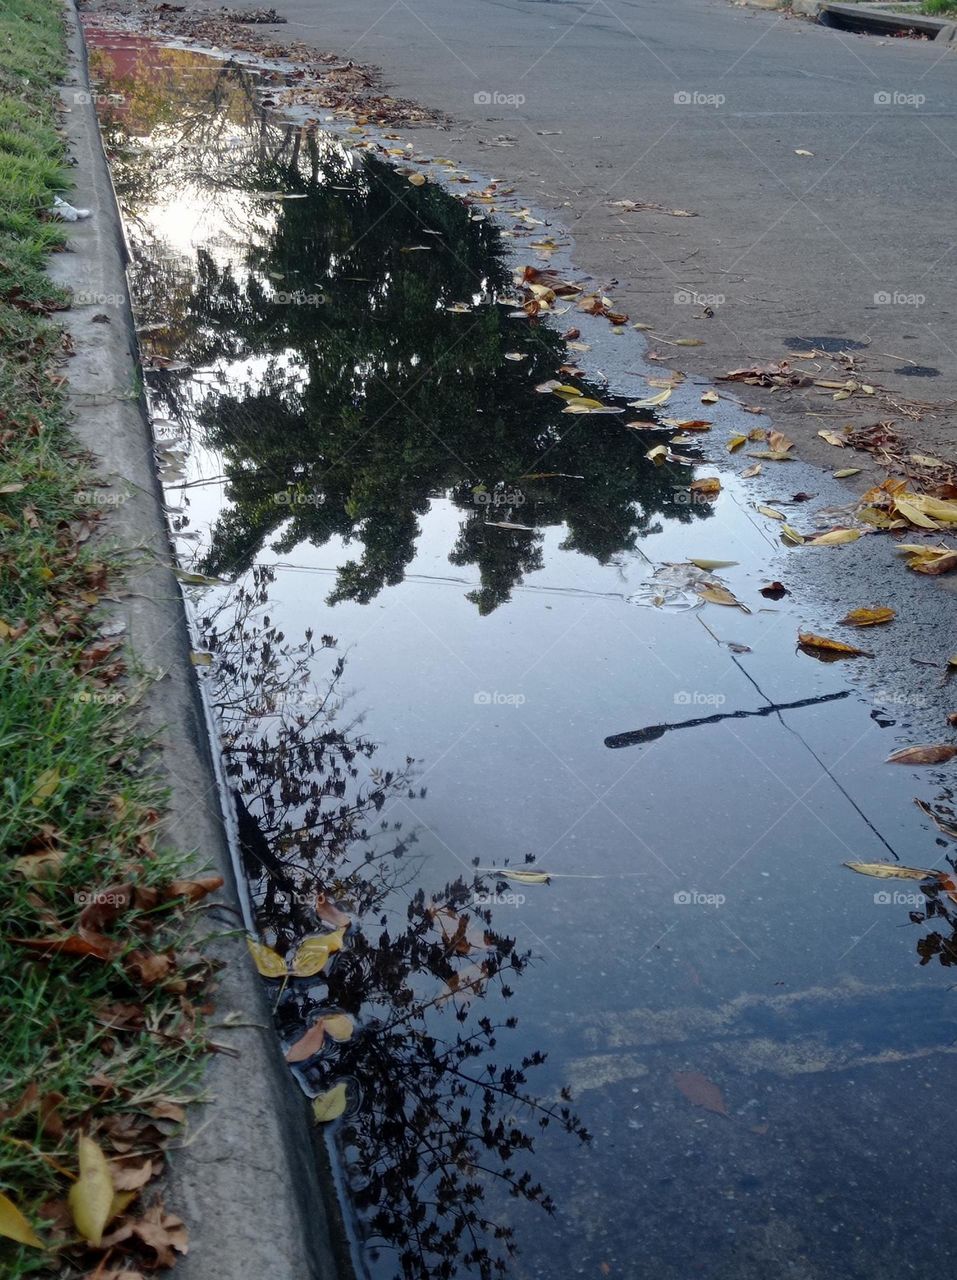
<point>342,389</point>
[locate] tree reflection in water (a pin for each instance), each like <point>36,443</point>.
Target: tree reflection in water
<point>433,1117</point>
<point>342,388</point>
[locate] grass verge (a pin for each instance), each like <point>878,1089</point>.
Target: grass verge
<point>100,1044</point>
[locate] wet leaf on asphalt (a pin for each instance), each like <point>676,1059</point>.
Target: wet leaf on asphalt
<point>770,513</point>
<point>774,590</point>
<point>928,753</point>
<point>700,1091</point>
<point>946,828</point>
<point>749,472</point>
<point>868,617</point>
<point>832,438</point>
<point>651,402</point>
<point>14,1226</point>
<point>710,486</point>
<point>810,642</point>
<point>791,536</point>
<point>687,424</point>
<point>331,1104</point>
<point>711,564</point>
<point>844,472</point>
<point>417,179</point>
<point>735,442</point>
<point>715,593</point>
<point>658,454</point>
<point>91,1196</point>
<point>833,538</point>
<point>710,397</point>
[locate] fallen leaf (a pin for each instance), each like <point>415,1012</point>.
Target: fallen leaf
<point>701,1091</point>
<point>14,1226</point>
<point>930,753</point>
<point>770,513</point>
<point>834,538</point>
<point>417,179</point>
<point>709,485</point>
<point>330,913</point>
<point>269,963</point>
<point>525,877</point>
<point>91,1196</point>
<point>801,152</point>
<point>808,640</point>
<point>714,593</point>
<point>308,1045</point>
<point>749,472</point>
<point>339,1026</point>
<point>712,564</point>
<point>774,590</point>
<point>736,442</point>
<point>832,438</point>
<point>868,617</point>
<point>890,871</point>
<point>845,472</point>
<point>311,956</point>
<point>658,454</point>
<point>710,397</point>
<point>45,786</point>
<point>651,402</point>
<point>689,342</point>
<point>330,1105</point>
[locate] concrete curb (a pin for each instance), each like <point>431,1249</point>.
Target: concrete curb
<point>250,1179</point>
<point>867,18</point>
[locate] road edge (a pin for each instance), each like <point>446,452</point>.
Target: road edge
<point>249,1176</point>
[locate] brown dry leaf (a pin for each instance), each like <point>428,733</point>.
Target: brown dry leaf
<point>91,1196</point>
<point>749,472</point>
<point>808,640</point>
<point>774,590</point>
<point>161,1232</point>
<point>710,397</point>
<point>658,454</point>
<point>308,1045</point>
<point>779,442</point>
<point>709,485</point>
<point>943,826</point>
<point>770,513</point>
<point>417,179</point>
<point>700,1091</point>
<point>868,617</point>
<point>688,424</point>
<point>929,753</point>
<point>714,593</point>
<point>832,438</point>
<point>194,890</point>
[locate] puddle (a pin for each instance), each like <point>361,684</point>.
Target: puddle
<point>432,674</point>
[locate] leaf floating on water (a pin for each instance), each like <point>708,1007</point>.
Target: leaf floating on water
<point>658,454</point>
<point>891,871</point>
<point>417,179</point>
<point>709,485</point>
<point>770,513</point>
<point>700,1091</point>
<point>929,753</point>
<point>834,538</point>
<point>330,1105</point>
<point>651,402</point>
<point>808,640</point>
<point>200,659</point>
<point>868,617</point>
<point>339,1026</point>
<point>516,355</point>
<point>199,579</point>
<point>715,593</point>
<point>712,564</point>
<point>91,1196</point>
<point>14,1226</point>
<point>311,956</point>
<point>688,424</point>
<point>525,877</point>
<point>269,963</point>
<point>791,536</point>
<point>943,826</point>
<point>507,524</point>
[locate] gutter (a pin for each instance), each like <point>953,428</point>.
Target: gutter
<point>250,1175</point>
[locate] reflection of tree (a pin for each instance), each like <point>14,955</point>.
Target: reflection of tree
<point>434,1121</point>
<point>345,416</point>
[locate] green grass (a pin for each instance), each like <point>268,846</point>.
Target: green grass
<point>72,779</point>
<point>939,8</point>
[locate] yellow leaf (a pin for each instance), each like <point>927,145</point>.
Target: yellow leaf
<point>311,957</point>
<point>791,535</point>
<point>46,785</point>
<point>832,438</point>
<point>564,390</point>
<point>772,455</point>
<point>689,342</point>
<point>714,593</point>
<point>707,565</point>
<point>770,513</point>
<point>845,472</point>
<point>710,397</point>
<point>332,941</point>
<point>910,511</point>
<point>868,617</point>
<point>812,641</point>
<point>91,1196</point>
<point>651,402</point>
<point>417,179</point>
<point>330,1105</point>
<point>736,442</point>
<point>269,963</point>
<point>525,877</point>
<point>199,659</point>
<point>14,1226</point>
<point>339,1026</point>
<point>834,538</point>
<point>890,871</point>
<point>707,484</point>
<point>658,454</point>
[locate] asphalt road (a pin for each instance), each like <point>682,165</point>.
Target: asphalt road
<point>706,106</point>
